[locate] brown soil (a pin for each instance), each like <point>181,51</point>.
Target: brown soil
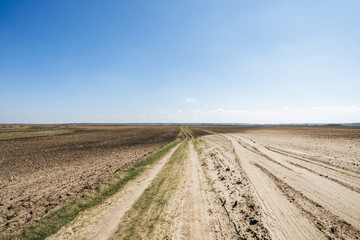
<point>101,222</point>
<point>41,174</point>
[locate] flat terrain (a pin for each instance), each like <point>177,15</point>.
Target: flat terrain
<point>43,168</point>
<point>304,181</point>
<point>214,182</point>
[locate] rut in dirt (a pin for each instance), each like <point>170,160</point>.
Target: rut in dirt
<point>343,201</point>
<point>329,206</point>
<point>194,220</point>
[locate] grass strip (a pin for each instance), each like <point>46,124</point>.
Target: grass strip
<point>53,222</point>
<point>17,135</point>
<point>147,213</point>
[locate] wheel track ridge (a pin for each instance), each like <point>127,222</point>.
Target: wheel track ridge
<point>314,161</point>
<point>257,151</point>
<point>282,186</point>
<point>327,177</point>
<point>219,150</point>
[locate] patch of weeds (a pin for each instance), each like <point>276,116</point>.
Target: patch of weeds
<point>17,135</point>
<point>162,201</point>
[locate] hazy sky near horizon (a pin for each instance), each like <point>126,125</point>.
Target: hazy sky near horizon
<point>179,61</point>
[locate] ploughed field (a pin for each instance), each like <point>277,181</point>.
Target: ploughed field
<point>206,182</point>
<point>43,168</point>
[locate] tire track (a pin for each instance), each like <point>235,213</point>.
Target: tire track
<point>346,172</point>
<point>346,180</point>
<point>327,176</point>
<point>194,221</point>
<point>331,225</point>
<point>342,201</point>
<point>315,162</point>
<point>232,190</point>
<point>284,220</point>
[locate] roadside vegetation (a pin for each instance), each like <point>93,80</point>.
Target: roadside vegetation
<point>16,135</point>
<point>53,222</point>
<point>148,211</point>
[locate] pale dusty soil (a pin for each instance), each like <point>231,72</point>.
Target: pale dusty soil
<point>332,192</point>
<point>193,221</point>
<point>336,146</point>
<point>101,222</point>
<point>301,194</point>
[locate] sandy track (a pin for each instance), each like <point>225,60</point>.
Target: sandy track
<point>101,222</point>
<point>295,201</point>
<point>283,219</point>
<point>335,146</point>
<point>333,196</point>
<point>235,210</point>
<point>194,218</point>
<point>344,177</point>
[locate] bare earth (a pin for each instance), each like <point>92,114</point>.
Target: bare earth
<point>40,175</point>
<point>193,220</point>
<point>301,192</point>
<point>101,222</point>
<point>238,183</point>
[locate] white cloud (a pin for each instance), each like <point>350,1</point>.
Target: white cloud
<point>228,111</point>
<point>190,100</point>
<point>161,110</point>
<point>317,108</point>
<point>283,114</point>
<point>287,114</point>
<point>117,115</point>
<point>352,109</point>
<point>108,117</point>
<point>97,116</point>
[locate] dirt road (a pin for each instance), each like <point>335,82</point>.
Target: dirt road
<point>283,219</point>
<point>236,185</point>
<point>194,220</point>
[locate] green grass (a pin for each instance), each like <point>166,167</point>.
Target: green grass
<point>53,222</point>
<point>16,135</point>
<point>186,132</point>
<point>189,133</point>
<point>183,133</point>
<point>148,211</point>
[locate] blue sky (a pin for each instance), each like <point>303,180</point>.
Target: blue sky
<point>179,61</point>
